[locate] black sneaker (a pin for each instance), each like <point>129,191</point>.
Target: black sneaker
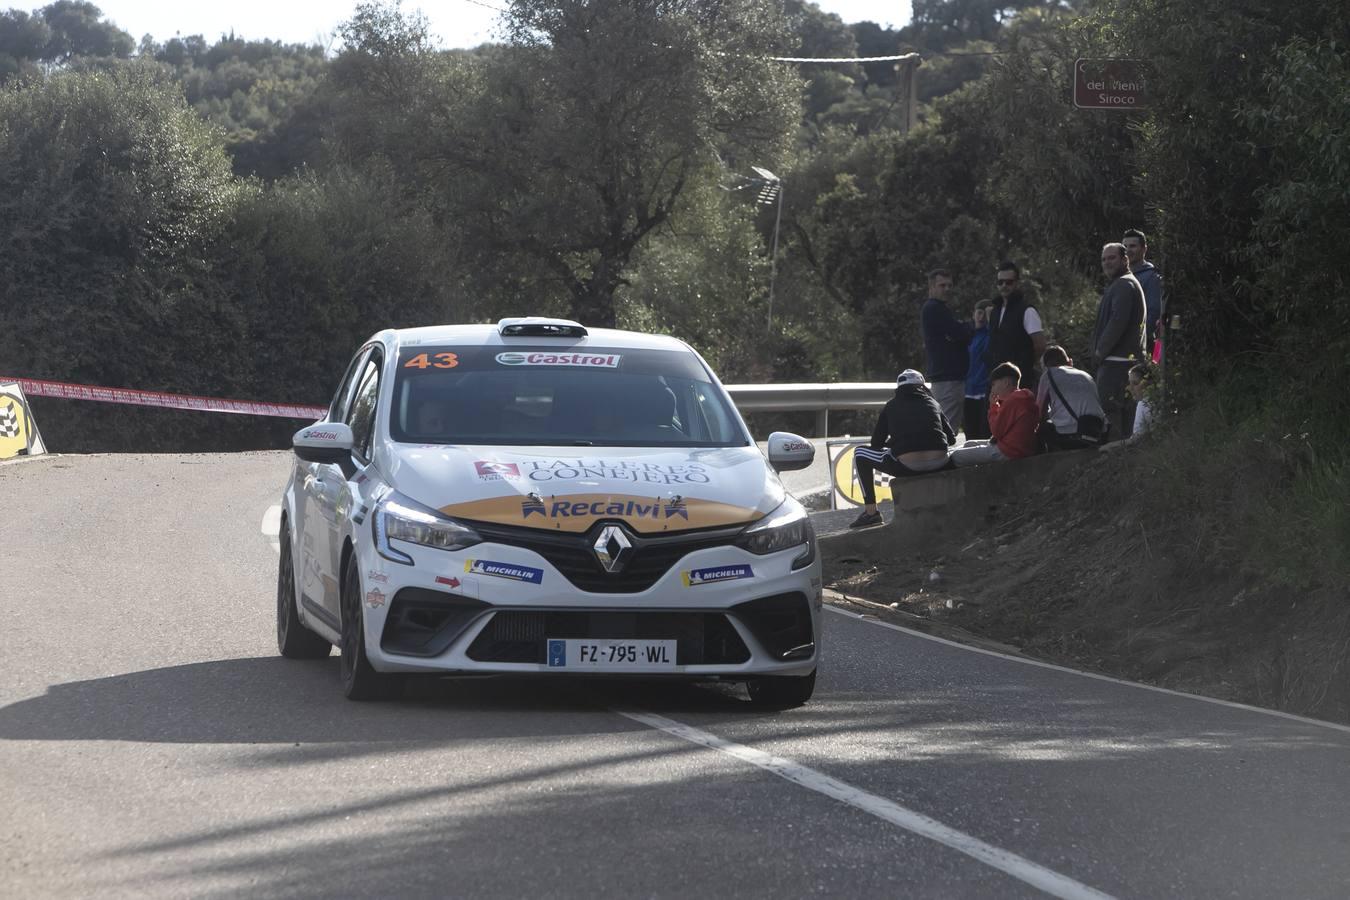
<point>867,519</point>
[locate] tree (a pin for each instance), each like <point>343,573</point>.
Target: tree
<point>113,194</point>
<point>564,150</point>
<point>56,35</point>
<point>77,30</point>
<point>940,23</point>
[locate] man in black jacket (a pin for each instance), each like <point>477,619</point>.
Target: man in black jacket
<point>911,438</point>
<point>1016,333</point>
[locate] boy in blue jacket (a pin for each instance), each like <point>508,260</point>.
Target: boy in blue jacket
<point>977,377</point>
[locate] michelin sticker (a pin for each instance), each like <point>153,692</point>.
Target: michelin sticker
<point>589,360</point>
<point>504,570</point>
<point>696,577</point>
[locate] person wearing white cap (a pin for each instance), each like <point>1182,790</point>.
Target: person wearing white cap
<point>911,438</point>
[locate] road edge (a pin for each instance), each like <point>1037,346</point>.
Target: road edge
<point>834,598</point>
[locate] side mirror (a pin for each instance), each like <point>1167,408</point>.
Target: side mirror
<point>788,452</point>
<point>325,442</point>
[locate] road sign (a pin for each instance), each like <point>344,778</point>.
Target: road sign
<point>846,491</point>
<point>1109,84</point>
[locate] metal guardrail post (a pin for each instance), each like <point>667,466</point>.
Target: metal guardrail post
<point>823,423</point>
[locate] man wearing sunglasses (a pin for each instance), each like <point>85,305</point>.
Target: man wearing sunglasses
<point>1016,334</point>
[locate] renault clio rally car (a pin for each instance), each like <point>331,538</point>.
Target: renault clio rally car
<point>534,497</point>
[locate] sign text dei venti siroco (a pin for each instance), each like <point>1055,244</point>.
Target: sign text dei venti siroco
<point>1109,84</point>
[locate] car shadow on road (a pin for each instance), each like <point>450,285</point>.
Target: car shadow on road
<point>275,700</point>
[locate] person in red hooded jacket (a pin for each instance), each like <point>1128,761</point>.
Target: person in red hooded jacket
<point>1013,420</point>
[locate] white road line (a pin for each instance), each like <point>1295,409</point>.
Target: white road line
<point>1134,684</point>
<point>1025,870</point>
<point>271,526</point>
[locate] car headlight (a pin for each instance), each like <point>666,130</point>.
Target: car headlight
<point>785,527</point>
<point>399,519</point>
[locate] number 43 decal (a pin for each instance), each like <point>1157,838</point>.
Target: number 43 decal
<point>443,361</point>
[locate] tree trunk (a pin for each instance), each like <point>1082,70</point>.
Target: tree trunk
<point>593,298</point>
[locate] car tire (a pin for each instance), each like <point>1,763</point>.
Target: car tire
<point>360,681</point>
<point>294,640</point>
<point>781,691</point>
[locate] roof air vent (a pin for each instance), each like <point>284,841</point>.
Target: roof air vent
<point>537,326</point>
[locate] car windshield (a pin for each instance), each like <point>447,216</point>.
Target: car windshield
<point>533,395</point>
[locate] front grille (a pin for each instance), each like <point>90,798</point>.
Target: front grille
<point>424,623</point>
<point>521,637</point>
<point>781,623</point>
<point>572,555</point>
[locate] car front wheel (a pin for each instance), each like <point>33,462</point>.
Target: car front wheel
<point>781,691</point>
<point>294,640</point>
<point>360,681</point>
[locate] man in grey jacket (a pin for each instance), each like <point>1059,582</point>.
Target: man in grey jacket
<point>1118,340</point>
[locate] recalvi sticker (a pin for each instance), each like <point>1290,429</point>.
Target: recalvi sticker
<point>578,512</point>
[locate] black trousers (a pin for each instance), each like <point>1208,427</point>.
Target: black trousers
<point>868,462</point>
<point>1112,376</point>
<point>977,419</point>
<point>1051,439</point>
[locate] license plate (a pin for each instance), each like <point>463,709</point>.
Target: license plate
<point>611,655</point>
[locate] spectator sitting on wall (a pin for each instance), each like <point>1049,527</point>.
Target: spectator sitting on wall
<point>1069,395</point>
<point>911,438</point>
<point>1013,420</point>
<point>1141,379</point>
<point>976,419</point>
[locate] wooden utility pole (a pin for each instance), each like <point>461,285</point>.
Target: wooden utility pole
<point>907,71</point>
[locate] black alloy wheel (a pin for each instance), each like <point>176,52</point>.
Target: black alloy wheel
<point>294,640</point>
<point>781,691</point>
<point>360,681</point>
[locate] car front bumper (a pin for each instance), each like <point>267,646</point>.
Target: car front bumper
<point>493,607</point>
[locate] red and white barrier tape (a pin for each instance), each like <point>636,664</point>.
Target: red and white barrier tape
<point>66,391</point>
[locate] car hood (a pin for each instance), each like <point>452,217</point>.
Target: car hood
<point>652,489</point>
<point>558,489</point>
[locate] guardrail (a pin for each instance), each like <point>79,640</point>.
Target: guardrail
<point>817,398</point>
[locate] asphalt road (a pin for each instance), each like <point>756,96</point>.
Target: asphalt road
<point>153,744</point>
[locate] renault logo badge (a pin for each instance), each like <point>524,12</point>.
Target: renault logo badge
<point>612,548</point>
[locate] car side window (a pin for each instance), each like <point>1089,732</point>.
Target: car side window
<point>361,418</point>
<point>337,410</point>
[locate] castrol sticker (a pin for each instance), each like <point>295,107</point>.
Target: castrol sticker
<point>585,360</point>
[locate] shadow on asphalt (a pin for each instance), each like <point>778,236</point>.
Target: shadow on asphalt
<point>275,700</point>
<point>270,700</point>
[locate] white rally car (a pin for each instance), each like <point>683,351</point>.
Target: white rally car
<point>537,497</point>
